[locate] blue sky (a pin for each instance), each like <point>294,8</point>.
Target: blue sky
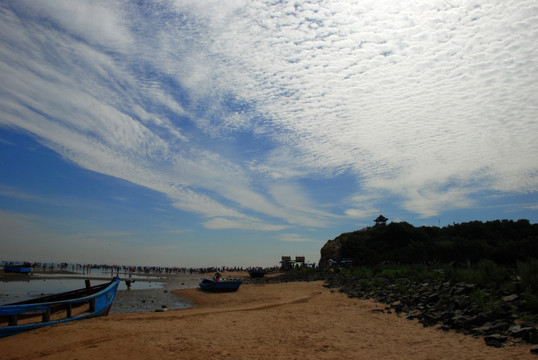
<point>199,133</point>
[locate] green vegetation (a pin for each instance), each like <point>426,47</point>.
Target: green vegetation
<point>491,260</point>
<point>503,242</point>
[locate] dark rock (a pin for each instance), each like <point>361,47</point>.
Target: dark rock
<point>429,319</point>
<point>396,305</point>
<point>510,298</point>
<point>413,315</point>
<point>462,288</point>
<point>500,325</point>
<point>496,340</point>
<point>433,298</point>
<point>482,330</point>
<point>460,321</point>
<point>533,338</point>
<point>447,305</point>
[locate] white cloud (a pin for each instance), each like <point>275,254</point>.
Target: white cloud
<point>290,237</point>
<point>419,111</point>
<point>9,191</point>
<point>98,22</point>
<point>410,99</point>
<point>218,223</point>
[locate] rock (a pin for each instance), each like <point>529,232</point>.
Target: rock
<point>443,304</point>
<point>332,250</point>
<point>519,331</point>
<point>482,330</point>
<point>462,288</point>
<point>533,338</point>
<point>433,298</point>
<point>413,315</point>
<point>396,305</point>
<point>499,325</point>
<point>460,321</point>
<point>496,340</point>
<point>509,298</point>
<point>429,319</point>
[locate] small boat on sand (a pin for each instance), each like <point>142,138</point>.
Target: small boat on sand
<point>20,269</point>
<point>91,301</point>
<point>219,286</point>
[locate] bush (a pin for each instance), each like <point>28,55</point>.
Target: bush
<point>486,302</point>
<point>492,275</point>
<point>487,274</point>
<point>528,272</point>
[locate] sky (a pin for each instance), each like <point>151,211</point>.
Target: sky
<point>231,133</point>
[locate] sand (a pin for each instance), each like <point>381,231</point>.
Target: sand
<point>271,321</point>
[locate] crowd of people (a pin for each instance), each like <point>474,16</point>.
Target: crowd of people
<point>130,269</point>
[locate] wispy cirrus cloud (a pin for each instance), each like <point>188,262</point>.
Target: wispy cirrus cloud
<point>291,237</point>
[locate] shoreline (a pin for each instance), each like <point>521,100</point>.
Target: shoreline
<point>147,299</point>
<point>292,320</point>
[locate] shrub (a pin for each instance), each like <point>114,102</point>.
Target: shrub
<point>489,274</point>
<point>486,302</point>
<point>528,272</point>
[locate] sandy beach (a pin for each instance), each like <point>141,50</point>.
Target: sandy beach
<point>266,321</point>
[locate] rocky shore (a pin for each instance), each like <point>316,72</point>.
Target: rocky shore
<point>462,307</point>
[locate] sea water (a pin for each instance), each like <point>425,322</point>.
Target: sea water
<point>145,294</point>
<point>19,290</point>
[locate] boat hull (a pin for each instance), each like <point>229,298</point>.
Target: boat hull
<point>219,286</point>
<point>17,269</point>
<point>49,310</point>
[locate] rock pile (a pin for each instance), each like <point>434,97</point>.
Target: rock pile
<point>462,307</point>
<point>450,306</point>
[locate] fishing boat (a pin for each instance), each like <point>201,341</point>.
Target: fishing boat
<point>21,269</point>
<point>88,302</point>
<point>219,286</point>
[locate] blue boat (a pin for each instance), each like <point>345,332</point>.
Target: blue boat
<point>91,301</point>
<point>21,269</point>
<point>219,286</point>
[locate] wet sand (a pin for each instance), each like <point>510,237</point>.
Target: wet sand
<point>272,321</point>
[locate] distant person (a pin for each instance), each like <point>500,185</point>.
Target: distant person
<point>129,282</point>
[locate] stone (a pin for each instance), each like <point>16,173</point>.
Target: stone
<point>496,340</point>
<point>533,338</point>
<point>396,305</point>
<point>509,298</point>
<point>482,330</point>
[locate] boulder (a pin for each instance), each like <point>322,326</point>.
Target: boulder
<point>332,250</point>
<point>496,340</point>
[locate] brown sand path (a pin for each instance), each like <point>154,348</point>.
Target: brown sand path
<point>277,321</point>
